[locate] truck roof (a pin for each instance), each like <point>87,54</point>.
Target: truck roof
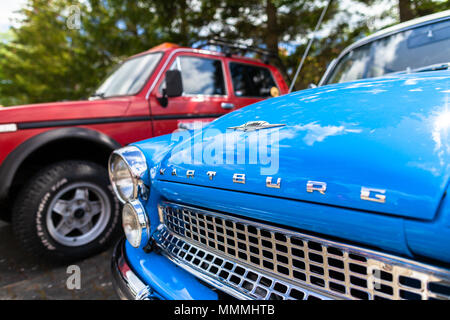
<point>167,46</point>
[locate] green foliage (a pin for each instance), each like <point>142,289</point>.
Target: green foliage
<point>38,65</point>
<point>6,36</point>
<point>46,59</point>
<point>49,61</point>
<point>419,8</point>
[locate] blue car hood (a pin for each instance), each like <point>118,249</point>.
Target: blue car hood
<point>389,134</point>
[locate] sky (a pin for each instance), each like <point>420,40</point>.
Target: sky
<point>7,8</point>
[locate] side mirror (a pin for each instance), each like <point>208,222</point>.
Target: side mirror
<point>174,83</point>
<point>174,87</point>
<point>312,86</point>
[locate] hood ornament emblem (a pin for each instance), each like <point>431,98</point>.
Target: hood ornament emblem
<point>255,125</point>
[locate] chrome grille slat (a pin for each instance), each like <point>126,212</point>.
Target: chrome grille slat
<point>304,264</point>
<point>176,247</point>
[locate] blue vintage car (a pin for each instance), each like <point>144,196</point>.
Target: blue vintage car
<point>336,192</point>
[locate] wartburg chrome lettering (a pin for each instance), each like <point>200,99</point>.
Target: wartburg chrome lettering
<point>239,178</point>
<point>368,194</point>
<point>312,186</point>
<point>211,174</point>
<point>274,185</point>
<point>190,173</point>
<point>375,195</point>
<point>255,125</point>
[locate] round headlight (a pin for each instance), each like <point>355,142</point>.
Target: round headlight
<point>127,166</point>
<point>135,223</point>
<point>121,178</point>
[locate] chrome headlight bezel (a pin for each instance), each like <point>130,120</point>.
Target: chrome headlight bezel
<point>136,164</point>
<point>141,221</point>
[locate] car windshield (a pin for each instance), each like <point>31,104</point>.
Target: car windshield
<point>129,77</point>
<point>401,52</point>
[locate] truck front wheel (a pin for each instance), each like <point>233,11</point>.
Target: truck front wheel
<point>67,212</point>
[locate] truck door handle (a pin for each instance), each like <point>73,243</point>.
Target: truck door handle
<point>227,105</point>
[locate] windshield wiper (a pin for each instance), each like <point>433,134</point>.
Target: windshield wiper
<point>433,67</point>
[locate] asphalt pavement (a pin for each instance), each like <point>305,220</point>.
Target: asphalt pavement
<point>26,277</point>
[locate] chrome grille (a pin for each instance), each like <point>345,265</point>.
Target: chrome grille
<point>294,260</point>
<point>245,283</point>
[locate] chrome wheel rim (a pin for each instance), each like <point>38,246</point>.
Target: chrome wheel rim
<point>78,214</point>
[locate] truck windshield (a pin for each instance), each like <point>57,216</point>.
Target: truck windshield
<point>129,77</point>
<point>401,52</point>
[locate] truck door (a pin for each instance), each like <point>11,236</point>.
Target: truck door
<point>204,94</point>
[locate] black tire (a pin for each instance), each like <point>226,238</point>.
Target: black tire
<point>31,208</point>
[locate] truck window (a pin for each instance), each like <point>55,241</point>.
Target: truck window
<point>251,81</point>
<point>129,77</point>
<point>201,76</point>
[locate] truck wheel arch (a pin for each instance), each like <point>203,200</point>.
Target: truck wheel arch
<point>14,161</point>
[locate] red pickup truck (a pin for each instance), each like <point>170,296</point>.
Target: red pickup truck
<point>54,185</point>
